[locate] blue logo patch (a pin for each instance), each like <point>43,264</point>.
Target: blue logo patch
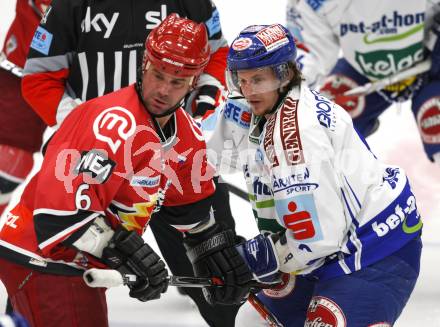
<point>236,114</point>
<point>42,40</point>
<point>299,215</point>
<point>213,24</point>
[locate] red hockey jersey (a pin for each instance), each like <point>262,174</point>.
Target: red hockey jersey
<point>27,17</point>
<point>107,160</point>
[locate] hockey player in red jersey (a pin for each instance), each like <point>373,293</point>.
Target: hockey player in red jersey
<point>17,146</point>
<point>84,49</point>
<point>112,163</point>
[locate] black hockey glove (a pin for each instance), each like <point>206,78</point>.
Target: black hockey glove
<point>205,98</point>
<point>213,253</point>
<point>129,254</point>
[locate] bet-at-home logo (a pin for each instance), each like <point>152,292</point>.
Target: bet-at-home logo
<point>382,63</point>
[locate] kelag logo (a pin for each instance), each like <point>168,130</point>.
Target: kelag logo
<point>383,63</point>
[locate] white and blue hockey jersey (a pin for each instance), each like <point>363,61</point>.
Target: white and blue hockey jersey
<point>378,38</point>
<point>310,174</point>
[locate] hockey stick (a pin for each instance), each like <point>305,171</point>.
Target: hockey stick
<point>263,311</point>
<point>10,66</point>
<point>112,278</point>
<point>238,192</point>
<point>371,87</point>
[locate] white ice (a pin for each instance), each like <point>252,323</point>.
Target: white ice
<point>396,142</point>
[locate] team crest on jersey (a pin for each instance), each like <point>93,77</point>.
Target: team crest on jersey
<point>391,176</point>
<point>428,120</point>
<point>324,312</point>
<point>113,126</point>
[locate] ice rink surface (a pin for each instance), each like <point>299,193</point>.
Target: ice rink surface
<point>395,142</point>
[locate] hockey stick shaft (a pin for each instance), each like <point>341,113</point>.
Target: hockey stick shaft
<point>112,278</point>
<point>238,192</point>
<point>264,311</point>
<point>368,88</point>
<point>10,66</point>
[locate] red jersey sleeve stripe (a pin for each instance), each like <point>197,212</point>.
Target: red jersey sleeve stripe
<point>43,92</point>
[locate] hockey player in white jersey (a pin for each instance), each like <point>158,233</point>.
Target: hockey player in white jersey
<point>377,39</point>
<point>330,214</point>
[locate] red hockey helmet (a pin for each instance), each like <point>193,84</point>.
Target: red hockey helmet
<point>178,46</point>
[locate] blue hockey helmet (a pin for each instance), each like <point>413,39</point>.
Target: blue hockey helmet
<point>260,46</point>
